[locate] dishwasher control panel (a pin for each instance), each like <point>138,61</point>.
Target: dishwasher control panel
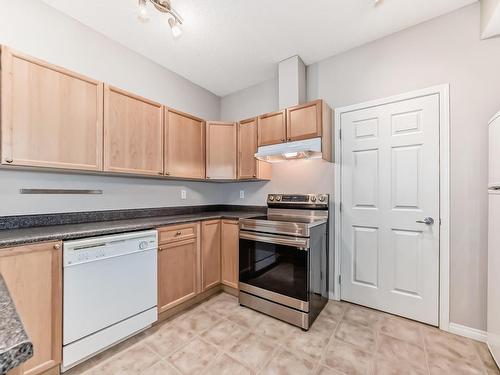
<point>97,248</point>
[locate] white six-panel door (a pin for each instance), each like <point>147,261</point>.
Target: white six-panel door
<point>390,182</point>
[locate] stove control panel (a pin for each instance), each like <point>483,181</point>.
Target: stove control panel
<point>298,199</point>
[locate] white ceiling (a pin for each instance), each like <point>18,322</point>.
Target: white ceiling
<point>228,45</point>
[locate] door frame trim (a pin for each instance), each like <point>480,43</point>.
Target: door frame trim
<point>444,190</point>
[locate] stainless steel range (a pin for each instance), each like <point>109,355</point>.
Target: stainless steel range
<point>284,256</point>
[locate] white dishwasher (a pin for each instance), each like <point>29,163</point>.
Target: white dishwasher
<point>109,292</point>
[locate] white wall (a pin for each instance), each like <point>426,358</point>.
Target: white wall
<point>490,18</point>
<point>444,50</point>
<point>34,28</point>
<point>256,100</point>
<point>118,193</point>
<point>306,176</point>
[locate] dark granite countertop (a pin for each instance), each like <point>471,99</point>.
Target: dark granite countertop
<point>15,346</point>
<point>13,237</point>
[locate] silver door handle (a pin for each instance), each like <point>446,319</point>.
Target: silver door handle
<point>427,220</point>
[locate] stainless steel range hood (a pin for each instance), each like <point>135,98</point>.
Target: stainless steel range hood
<point>306,149</point>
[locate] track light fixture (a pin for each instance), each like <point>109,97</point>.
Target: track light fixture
<point>163,6</point>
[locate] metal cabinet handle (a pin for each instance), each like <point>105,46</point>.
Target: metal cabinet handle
<point>178,233</point>
<point>57,246</point>
<point>427,220</point>
<point>9,160</point>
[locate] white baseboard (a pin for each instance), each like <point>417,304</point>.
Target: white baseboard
<point>472,333</point>
<point>457,329</point>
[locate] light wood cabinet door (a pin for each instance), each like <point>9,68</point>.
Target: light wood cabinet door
<point>221,150</point>
<point>230,252</point>
<point>184,145</point>
<point>304,121</point>
<point>33,276</point>
<point>133,133</point>
<point>272,128</point>
<point>51,117</point>
<point>247,147</point>
<point>178,266</point>
<point>210,253</point>
<point>249,167</point>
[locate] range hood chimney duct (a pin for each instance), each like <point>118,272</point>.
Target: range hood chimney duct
<point>292,82</point>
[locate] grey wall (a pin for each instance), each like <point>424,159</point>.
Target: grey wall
<point>33,27</point>
<point>444,50</point>
<point>256,100</point>
<point>289,177</point>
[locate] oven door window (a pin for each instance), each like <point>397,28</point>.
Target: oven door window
<point>278,268</point>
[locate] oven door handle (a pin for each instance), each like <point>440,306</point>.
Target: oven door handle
<point>298,242</point>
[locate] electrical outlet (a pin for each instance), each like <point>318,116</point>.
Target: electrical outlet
<point>242,194</point>
<point>183,194</point>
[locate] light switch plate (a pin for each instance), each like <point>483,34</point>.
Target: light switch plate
<point>183,194</point>
<point>242,194</point>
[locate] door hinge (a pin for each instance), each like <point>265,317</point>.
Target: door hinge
<point>340,206</point>
<point>340,134</point>
<point>340,279</point>
<point>440,221</point>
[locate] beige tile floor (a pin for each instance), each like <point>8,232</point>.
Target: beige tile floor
<point>220,337</point>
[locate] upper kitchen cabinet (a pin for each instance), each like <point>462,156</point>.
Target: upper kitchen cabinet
<point>221,150</point>
<point>184,145</point>
<point>133,133</point>
<point>272,128</point>
<point>304,121</point>
<point>50,117</point>
<point>248,166</point>
<point>312,120</point>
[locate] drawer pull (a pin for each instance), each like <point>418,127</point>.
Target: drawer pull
<point>178,233</point>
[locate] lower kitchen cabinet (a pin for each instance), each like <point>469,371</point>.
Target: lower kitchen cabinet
<point>178,265</point>
<point>229,252</point>
<point>210,253</point>
<point>33,275</point>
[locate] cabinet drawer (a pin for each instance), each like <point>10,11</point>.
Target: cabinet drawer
<point>176,233</point>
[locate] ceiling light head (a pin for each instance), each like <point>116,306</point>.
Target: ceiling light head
<point>174,25</point>
<point>163,6</point>
<point>143,11</point>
